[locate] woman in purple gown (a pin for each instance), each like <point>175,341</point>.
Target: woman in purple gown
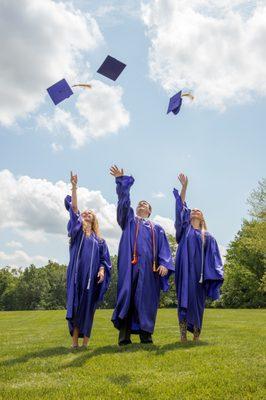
<point>89,269</point>
<point>199,269</point>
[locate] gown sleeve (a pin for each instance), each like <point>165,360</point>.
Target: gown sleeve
<point>105,261</point>
<point>164,258</point>
<point>124,210</point>
<point>182,216</point>
<point>74,223</point>
<point>213,269</point>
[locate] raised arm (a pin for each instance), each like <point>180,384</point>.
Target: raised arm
<point>71,204</point>
<point>184,182</point>
<point>74,182</point>
<point>182,213</point>
<point>123,185</point>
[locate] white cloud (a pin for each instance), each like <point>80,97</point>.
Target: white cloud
<point>61,123</point>
<point>215,48</point>
<point>56,147</point>
<point>34,209</point>
<point>100,111</point>
<point>41,42</point>
<point>104,10</point>
<point>35,236</point>
<point>14,244</point>
<point>158,195</point>
<point>21,259</point>
<point>115,13</point>
<point>166,223</point>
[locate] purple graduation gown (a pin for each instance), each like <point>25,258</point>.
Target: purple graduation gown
<point>191,258</point>
<point>87,255</point>
<point>147,284</point>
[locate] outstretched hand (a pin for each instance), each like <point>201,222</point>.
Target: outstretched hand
<point>116,172</point>
<point>183,180</point>
<point>73,179</point>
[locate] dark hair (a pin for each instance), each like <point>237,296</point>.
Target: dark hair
<point>150,207</point>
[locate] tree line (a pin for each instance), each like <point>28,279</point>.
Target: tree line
<point>244,285</point>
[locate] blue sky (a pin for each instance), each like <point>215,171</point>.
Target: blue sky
<point>220,148</point>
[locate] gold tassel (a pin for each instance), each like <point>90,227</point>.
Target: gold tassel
<point>188,95</point>
<point>84,85</point>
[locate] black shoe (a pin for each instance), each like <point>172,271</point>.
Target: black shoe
<point>145,337</point>
<point>124,342</point>
<point>147,341</point>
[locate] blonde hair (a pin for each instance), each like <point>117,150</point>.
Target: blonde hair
<point>203,228</point>
<point>94,225</point>
<point>203,225</point>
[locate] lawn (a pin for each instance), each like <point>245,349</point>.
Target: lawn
<point>229,363</point>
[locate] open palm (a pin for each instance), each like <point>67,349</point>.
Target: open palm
<point>116,172</point>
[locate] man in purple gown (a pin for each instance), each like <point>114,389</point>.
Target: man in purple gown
<point>144,265</point>
<point>199,268</point>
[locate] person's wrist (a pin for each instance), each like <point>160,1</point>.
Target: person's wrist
<point>74,186</point>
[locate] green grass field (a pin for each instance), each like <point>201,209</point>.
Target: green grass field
<point>229,363</point>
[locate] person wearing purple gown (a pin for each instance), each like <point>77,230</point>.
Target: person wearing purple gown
<point>144,265</point>
<point>199,268</point>
<point>89,269</point>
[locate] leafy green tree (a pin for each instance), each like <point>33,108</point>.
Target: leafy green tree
<point>257,201</point>
<point>55,297</point>
<point>245,249</point>
<point>32,288</point>
<point>9,278</point>
<point>241,288</point>
<point>245,279</point>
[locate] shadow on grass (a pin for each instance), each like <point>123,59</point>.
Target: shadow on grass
<point>134,347</point>
<point>110,349</point>
<point>84,355</point>
<point>177,345</point>
<point>50,352</point>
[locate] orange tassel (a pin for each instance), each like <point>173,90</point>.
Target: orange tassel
<point>135,260</point>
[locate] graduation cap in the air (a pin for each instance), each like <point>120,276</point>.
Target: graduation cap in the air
<point>175,102</point>
<point>111,68</point>
<point>59,91</point>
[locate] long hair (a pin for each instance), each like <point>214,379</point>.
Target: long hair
<point>203,228</point>
<point>94,225</point>
<point>203,225</point>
